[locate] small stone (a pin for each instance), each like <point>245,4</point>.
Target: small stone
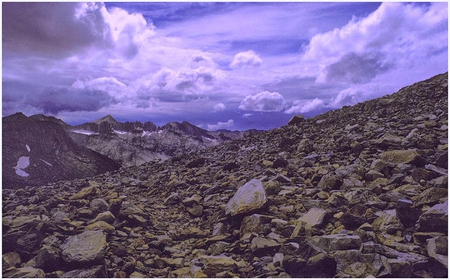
<point>217,248</point>
<point>402,156</point>
<point>296,120</point>
<point>336,242</point>
<point>104,216</point>
<point>99,205</point>
<point>431,196</point>
<point>12,259</point>
<point>437,248</point>
<point>84,193</point>
<point>137,275</point>
<point>261,245</point>
<point>101,225</point>
<point>196,210</point>
<point>255,223</point>
<point>212,265</point>
<point>49,259</point>
<point>194,199</point>
<point>387,223</point>
<point>315,217</point>
<point>24,272</point>
<point>97,271</point>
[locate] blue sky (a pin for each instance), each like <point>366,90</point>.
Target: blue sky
<point>217,65</point>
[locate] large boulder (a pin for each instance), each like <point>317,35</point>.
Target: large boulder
<point>248,197</point>
<point>87,247</point>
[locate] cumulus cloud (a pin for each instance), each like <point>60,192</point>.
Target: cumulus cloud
<point>263,102</point>
<point>219,107</point>
<point>247,115</point>
<point>246,59</point>
<point>301,107</point>
<point>403,34</point>
<point>186,81</point>
<point>221,125</point>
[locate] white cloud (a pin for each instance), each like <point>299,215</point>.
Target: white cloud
<point>110,85</point>
<point>246,59</point>
<point>263,102</point>
<point>247,115</point>
<point>221,125</point>
<point>219,107</point>
<point>402,34</point>
<point>350,96</point>
<point>301,107</point>
<point>185,81</point>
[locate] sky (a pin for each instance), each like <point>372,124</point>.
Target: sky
<point>236,66</point>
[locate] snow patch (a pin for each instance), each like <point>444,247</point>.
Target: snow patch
<point>46,162</point>
<point>214,141</point>
<point>28,148</point>
<point>120,132</point>
<point>22,163</point>
<point>146,133</point>
<point>84,131</point>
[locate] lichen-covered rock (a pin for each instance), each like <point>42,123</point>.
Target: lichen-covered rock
<point>213,265</point>
<point>402,157</point>
<point>248,197</point>
<point>388,222</point>
<point>24,272</point>
<point>87,247</point>
<point>336,242</point>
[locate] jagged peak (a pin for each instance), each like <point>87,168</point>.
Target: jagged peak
<point>107,118</point>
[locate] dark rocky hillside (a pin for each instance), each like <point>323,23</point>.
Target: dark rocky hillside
<point>356,192</point>
<point>46,153</point>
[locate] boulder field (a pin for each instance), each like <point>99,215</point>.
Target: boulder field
<point>357,192</point>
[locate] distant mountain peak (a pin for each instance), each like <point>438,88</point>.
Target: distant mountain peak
<point>107,118</point>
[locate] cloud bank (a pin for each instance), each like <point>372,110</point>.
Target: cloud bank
<point>210,62</point>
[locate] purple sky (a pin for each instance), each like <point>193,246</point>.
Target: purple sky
<point>216,65</point>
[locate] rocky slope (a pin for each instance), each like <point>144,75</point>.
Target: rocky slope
<point>37,150</point>
<point>134,143</point>
<point>356,192</point>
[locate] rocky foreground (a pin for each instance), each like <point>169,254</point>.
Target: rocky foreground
<point>356,192</point>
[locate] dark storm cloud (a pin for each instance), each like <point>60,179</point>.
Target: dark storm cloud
<point>53,29</point>
<point>58,100</point>
<point>357,68</point>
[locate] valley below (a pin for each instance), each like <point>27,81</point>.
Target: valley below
<point>357,192</point>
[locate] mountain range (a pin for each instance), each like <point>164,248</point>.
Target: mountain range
<point>50,149</point>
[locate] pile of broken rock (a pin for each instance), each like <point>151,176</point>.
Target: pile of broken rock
<point>356,192</point>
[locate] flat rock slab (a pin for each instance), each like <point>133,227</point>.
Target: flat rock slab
<point>314,217</point>
<point>401,156</point>
<point>213,265</point>
<point>87,247</point>
<point>336,242</point>
<point>248,197</point>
